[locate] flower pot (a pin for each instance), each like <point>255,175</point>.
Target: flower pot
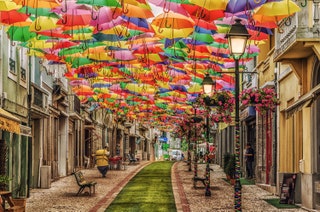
<point>232,181</point>
<point>20,202</point>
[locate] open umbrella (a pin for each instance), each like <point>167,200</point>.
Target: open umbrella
<point>8,5</point>
<point>20,33</point>
<point>43,23</point>
<point>134,11</point>
<point>38,3</point>
<point>275,11</point>
<point>108,3</point>
<point>12,16</point>
<point>211,4</point>
<point>172,25</point>
<point>235,6</point>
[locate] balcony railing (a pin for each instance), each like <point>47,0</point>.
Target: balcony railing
<point>74,104</point>
<point>297,27</point>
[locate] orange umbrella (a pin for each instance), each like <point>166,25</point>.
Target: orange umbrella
<point>130,10</point>
<point>172,20</point>
<point>172,25</point>
<point>38,3</point>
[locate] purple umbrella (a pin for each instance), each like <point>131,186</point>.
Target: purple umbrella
<point>235,6</point>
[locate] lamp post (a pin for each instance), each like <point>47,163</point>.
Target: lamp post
<point>207,84</point>
<point>237,37</point>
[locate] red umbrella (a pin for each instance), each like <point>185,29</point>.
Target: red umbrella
<point>64,44</point>
<point>12,16</point>
<point>202,13</point>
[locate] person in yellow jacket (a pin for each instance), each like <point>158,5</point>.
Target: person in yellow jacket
<point>102,160</point>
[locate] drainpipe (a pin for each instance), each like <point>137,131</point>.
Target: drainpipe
<point>29,125</point>
<point>275,128</point>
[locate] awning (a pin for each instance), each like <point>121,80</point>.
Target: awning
<point>9,122</point>
<point>305,100</point>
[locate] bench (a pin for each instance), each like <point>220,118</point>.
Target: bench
<point>201,179</point>
<point>131,159</point>
<point>82,183</point>
<point>196,179</point>
<point>17,205</point>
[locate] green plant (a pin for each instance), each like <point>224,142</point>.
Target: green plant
<point>4,181</point>
<point>231,166</point>
<point>226,159</point>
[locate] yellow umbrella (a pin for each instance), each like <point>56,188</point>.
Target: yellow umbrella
<point>43,23</point>
<point>6,5</point>
<point>172,33</point>
<point>278,10</point>
<point>211,4</point>
<point>39,44</point>
<point>195,88</point>
<point>81,36</point>
<point>102,56</point>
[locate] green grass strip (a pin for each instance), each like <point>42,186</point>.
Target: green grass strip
<point>276,203</point>
<point>244,181</point>
<point>149,190</point>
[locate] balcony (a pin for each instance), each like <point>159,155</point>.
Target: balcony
<point>74,106</point>
<point>39,101</point>
<point>296,34</point>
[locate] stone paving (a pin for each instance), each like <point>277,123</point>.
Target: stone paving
<point>62,194</point>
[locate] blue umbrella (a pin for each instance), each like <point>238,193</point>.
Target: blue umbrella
<point>140,22</point>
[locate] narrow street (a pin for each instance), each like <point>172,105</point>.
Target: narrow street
<point>62,194</point>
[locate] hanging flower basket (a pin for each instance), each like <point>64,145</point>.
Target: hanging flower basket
<point>223,103</point>
<point>264,99</point>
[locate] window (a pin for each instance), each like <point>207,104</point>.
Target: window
<point>12,59</point>
<point>23,74</point>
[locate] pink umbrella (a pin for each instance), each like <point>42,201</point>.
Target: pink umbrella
<point>104,15</point>
<point>106,25</point>
<point>124,55</point>
<point>170,6</point>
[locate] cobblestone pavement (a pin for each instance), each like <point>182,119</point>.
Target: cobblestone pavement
<point>62,194</point>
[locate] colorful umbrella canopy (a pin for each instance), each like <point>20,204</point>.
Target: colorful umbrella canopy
<point>144,59</point>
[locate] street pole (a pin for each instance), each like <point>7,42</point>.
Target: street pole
<point>237,185</point>
<point>237,36</point>
<point>208,191</point>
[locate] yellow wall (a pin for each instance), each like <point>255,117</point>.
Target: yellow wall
<point>307,140</point>
<point>289,87</point>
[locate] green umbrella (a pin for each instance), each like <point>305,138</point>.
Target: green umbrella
<point>78,61</point>
<point>108,3</point>
<point>20,33</point>
<point>203,37</point>
<point>35,12</point>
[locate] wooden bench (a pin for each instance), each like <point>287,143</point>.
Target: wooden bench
<point>83,183</point>
<point>14,205</point>
<point>131,159</point>
<point>196,179</point>
<point>201,179</point>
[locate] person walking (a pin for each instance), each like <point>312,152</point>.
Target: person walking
<point>102,160</point>
<point>249,158</point>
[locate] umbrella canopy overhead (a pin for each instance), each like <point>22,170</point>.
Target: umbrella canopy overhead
<point>144,59</point>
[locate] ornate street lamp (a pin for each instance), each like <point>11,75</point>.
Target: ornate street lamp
<point>237,37</point>
<point>207,84</point>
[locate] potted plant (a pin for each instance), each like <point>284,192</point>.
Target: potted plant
<point>4,181</point>
<point>226,159</point>
<point>231,168</point>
